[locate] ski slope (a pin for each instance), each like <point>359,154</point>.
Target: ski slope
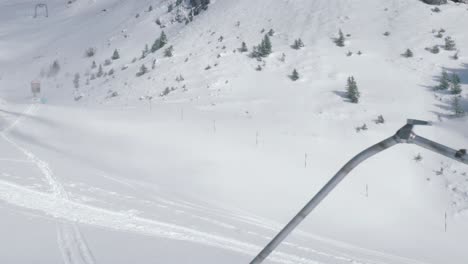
<point>210,172</point>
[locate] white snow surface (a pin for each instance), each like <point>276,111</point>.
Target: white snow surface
<point>210,172</point>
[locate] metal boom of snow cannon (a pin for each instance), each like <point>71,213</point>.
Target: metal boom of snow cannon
<point>403,135</point>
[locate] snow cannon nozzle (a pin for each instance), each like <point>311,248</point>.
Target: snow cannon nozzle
<point>406,134</point>
<point>418,122</point>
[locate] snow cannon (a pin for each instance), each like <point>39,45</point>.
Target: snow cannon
<point>404,135</point>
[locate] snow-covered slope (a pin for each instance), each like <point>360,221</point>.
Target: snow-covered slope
<point>117,171</point>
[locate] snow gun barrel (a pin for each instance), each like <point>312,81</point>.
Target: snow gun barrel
<point>403,135</point>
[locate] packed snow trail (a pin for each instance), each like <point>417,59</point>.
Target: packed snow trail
<point>73,246</point>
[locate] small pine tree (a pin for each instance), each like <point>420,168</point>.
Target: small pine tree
<point>457,107</point>
<point>178,2</point>
<point>168,52</point>
<point>150,8</point>
<point>76,81</point>
<point>298,44</point>
<point>435,49</point>
<point>159,42</point>
<point>449,43</point>
<point>271,33</point>
<point>93,65</point>
<point>295,75</point>
<point>352,90</point>
<point>116,55</point>
<point>170,7</point>
<point>444,82</point>
<point>143,70</point>
<point>408,53</point>
<point>455,84</point>
<point>340,41</point>
<point>100,71</point>
<point>266,47</point>
<point>455,56</point>
<point>243,47</point>
<point>54,69</point>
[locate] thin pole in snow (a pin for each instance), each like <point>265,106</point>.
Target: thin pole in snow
<point>367,190</point>
<point>445,222</point>
<point>305,160</point>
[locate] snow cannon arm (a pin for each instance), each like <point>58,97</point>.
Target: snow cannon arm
<point>407,135</point>
<point>404,135</point>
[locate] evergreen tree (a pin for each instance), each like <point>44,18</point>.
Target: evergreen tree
<point>178,2</point>
<point>444,81</point>
<point>243,47</point>
<point>76,81</point>
<point>297,44</point>
<point>340,41</point>
<point>170,7</point>
<point>168,51</point>
<point>457,107</point>
<point>54,69</point>
<point>352,90</point>
<point>100,71</point>
<point>116,55</point>
<point>266,47</point>
<point>143,70</point>
<point>159,42</point>
<point>295,75</point>
<point>408,53</point>
<point>455,87</point>
<point>271,33</point>
<point>93,65</point>
<point>449,43</point>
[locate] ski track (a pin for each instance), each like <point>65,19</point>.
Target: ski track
<point>231,220</point>
<point>71,243</point>
<point>75,250</point>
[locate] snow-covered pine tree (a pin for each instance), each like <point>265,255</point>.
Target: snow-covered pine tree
<point>408,53</point>
<point>116,55</point>
<point>265,46</point>
<point>457,107</point>
<point>178,2</point>
<point>295,75</point>
<point>54,69</point>
<point>340,41</point>
<point>170,7</point>
<point>455,87</point>
<point>76,81</point>
<point>444,82</point>
<point>298,44</point>
<point>143,70</point>
<point>271,33</point>
<point>159,42</point>
<point>243,47</point>
<point>168,52</point>
<point>449,44</point>
<point>352,90</point>
<point>93,65</point>
<point>100,71</point>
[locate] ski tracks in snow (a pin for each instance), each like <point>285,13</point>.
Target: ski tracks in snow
<point>71,242</point>
<point>76,251</point>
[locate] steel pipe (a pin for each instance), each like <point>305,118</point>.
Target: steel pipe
<point>404,135</point>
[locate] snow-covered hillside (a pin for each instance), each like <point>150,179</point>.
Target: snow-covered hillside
<point>204,156</point>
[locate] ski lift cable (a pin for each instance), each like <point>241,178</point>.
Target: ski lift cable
<point>404,135</point>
